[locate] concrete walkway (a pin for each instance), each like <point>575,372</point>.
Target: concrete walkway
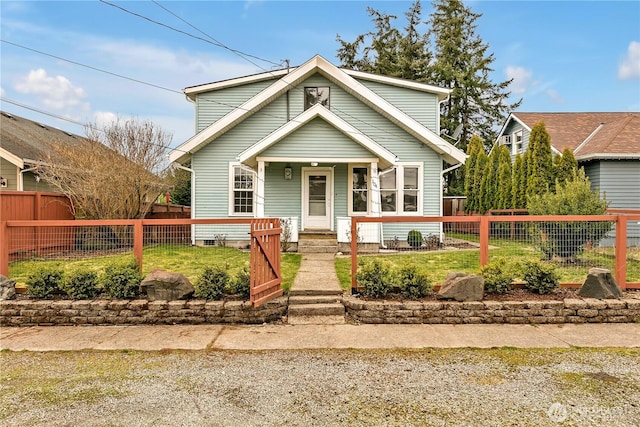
<point>282,336</point>
<point>317,274</point>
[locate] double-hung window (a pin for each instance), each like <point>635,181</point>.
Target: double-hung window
<point>359,188</point>
<point>242,190</point>
<point>400,189</point>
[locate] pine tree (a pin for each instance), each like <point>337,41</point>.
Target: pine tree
<point>489,185</point>
<point>473,150</point>
<point>564,167</point>
<point>504,179</point>
<point>519,183</point>
<point>481,164</point>
<point>540,162</point>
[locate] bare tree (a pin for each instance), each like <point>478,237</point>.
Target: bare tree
<point>117,172</point>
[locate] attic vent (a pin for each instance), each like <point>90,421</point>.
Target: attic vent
<point>42,126</point>
<point>70,134</point>
<point>7,115</point>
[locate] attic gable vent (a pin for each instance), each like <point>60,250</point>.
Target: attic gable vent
<point>7,115</point>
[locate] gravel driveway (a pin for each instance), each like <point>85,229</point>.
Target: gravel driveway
<point>443,387</point>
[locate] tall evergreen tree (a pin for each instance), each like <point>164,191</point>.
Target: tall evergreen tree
<point>489,184</point>
<point>504,179</point>
<point>540,162</point>
<point>473,150</point>
<point>478,173</point>
<point>564,167</point>
<point>519,183</point>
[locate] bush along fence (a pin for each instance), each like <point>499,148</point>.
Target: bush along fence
<point>22,247</point>
<point>562,245</point>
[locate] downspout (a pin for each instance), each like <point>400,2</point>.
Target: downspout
<point>193,199</point>
<point>20,186</point>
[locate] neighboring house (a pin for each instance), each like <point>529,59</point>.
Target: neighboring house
<point>22,148</point>
<point>317,144</point>
<point>607,145</point>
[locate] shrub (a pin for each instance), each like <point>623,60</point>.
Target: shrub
<point>212,284</point>
<point>498,276</point>
<point>413,284</point>
<point>242,283</point>
<point>44,282</point>
<point>373,277</point>
<point>122,280</point>
<point>81,284</point>
<point>539,277</point>
<point>414,239</point>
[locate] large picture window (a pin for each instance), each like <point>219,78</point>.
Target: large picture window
<point>243,181</point>
<point>400,189</point>
<point>316,95</point>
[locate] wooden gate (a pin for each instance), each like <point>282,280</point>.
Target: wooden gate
<point>266,276</point>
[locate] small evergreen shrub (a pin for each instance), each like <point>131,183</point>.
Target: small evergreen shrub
<point>212,284</point>
<point>414,239</point>
<point>44,282</point>
<point>242,283</point>
<point>413,284</point>
<point>122,280</point>
<point>81,284</point>
<point>373,276</point>
<point>539,277</point>
<point>498,276</point>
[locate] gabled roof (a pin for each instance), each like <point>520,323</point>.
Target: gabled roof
<point>341,78</point>
<point>386,157</point>
<point>23,141</point>
<point>589,135</point>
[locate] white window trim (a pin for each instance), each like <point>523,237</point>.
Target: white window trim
<point>350,168</point>
<point>232,166</point>
<point>399,167</point>
<point>517,145</point>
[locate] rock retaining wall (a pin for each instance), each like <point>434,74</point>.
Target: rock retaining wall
<point>567,311</point>
<point>137,312</point>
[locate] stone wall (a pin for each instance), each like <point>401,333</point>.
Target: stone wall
<point>137,312</point>
<point>568,311</point>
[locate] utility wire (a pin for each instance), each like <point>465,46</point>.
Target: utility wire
<point>212,41</point>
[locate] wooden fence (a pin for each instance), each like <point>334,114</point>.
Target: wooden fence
<point>483,225</point>
<point>266,276</point>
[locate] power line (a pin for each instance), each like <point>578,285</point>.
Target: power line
<point>214,42</point>
<point>91,67</point>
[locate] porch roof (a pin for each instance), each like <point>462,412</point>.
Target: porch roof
<point>379,154</point>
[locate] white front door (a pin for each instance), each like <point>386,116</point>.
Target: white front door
<point>317,206</point>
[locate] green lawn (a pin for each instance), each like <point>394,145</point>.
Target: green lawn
<point>188,260</point>
<point>436,264</point>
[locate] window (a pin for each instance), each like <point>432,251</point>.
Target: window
<point>518,144</point>
<point>360,190</point>
<point>400,189</point>
<point>316,95</point>
<point>242,190</point>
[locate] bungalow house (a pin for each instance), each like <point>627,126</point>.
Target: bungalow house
<point>317,144</point>
<point>607,145</point>
<point>22,147</point>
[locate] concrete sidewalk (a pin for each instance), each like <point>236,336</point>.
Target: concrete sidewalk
<point>280,337</point>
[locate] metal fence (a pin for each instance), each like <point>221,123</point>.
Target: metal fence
<point>572,244</point>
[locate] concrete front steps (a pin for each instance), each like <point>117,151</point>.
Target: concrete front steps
<point>317,242</point>
<point>316,308</point>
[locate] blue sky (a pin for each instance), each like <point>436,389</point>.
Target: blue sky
<point>563,55</point>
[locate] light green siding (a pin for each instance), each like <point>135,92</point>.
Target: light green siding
<point>320,139</point>
<point>422,106</point>
<point>9,171</point>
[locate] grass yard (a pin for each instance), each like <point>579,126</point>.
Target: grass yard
<point>188,260</point>
<point>436,264</point>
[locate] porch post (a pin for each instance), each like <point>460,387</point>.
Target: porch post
<point>260,191</point>
<point>376,200</point>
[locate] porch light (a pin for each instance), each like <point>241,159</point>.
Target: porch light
<point>288,172</point>
<point>314,164</point>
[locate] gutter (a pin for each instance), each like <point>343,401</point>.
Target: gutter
<point>21,181</point>
<point>193,199</point>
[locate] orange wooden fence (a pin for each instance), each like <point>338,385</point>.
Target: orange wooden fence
<point>483,222</point>
<point>266,276</point>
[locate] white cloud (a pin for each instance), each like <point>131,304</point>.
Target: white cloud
<point>522,79</point>
<point>58,92</point>
<point>2,92</point>
<point>104,118</point>
<point>629,68</point>
<point>556,98</point>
